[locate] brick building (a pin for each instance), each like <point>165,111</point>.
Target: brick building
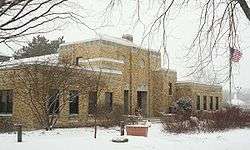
<point>134,76</point>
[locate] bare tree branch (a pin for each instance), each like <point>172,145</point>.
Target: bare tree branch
<point>245,8</point>
<point>20,18</point>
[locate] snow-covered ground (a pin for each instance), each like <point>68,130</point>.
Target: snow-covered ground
<point>82,139</point>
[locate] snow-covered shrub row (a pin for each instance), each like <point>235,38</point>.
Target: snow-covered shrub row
<point>178,123</point>
<point>207,121</point>
<point>227,118</point>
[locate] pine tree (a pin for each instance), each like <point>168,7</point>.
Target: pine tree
<point>39,46</point>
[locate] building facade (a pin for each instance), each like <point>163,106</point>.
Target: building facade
<point>134,80</point>
<point>204,97</point>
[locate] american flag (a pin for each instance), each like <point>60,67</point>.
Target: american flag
<point>235,55</point>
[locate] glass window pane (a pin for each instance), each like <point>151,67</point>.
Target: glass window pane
<point>205,102</point>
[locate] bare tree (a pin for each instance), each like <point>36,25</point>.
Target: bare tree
<point>98,90</point>
<point>99,111</point>
<point>217,31</point>
<point>20,18</point>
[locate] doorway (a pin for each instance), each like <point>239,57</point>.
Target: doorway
<point>142,102</point>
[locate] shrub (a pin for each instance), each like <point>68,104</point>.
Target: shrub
<point>180,122</point>
<point>206,121</point>
<point>177,123</point>
<point>6,125</point>
<point>228,118</point>
<point>109,119</point>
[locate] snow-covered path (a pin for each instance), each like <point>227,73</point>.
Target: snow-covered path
<point>82,139</point>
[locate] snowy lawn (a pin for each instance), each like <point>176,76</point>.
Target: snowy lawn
<point>82,139</point>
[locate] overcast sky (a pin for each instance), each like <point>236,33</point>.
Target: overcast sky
<point>181,29</point>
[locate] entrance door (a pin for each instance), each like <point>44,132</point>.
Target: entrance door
<point>125,96</point>
<point>142,102</point>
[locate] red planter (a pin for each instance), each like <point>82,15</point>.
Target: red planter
<point>137,130</point>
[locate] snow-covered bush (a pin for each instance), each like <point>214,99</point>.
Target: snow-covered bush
<point>177,123</point>
<point>207,121</point>
<point>231,117</point>
<point>184,104</point>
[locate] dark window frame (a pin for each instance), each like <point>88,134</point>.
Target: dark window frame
<point>204,102</point>
<point>170,88</point>
<point>92,107</point>
<point>198,102</point>
<point>74,102</point>
<point>217,103</point>
<point>109,101</point>
<point>211,106</point>
<point>6,107</point>
<point>77,60</point>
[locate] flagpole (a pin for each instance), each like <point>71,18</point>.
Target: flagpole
<point>230,76</point>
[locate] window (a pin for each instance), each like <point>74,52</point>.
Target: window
<point>205,102</point>
<point>211,103</point>
<point>77,60</point>
<point>217,103</point>
<point>53,101</point>
<point>109,101</point>
<point>198,103</point>
<point>92,102</point>
<point>6,101</point>
<point>170,88</point>
<point>73,102</point>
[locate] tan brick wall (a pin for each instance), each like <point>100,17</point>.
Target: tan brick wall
<point>114,85</point>
<point>140,73</point>
<point>192,90</point>
<point>162,99</point>
<point>21,113</point>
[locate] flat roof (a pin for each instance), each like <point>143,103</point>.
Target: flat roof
<point>167,70</point>
<point>198,83</point>
<point>103,37</point>
<point>51,59</point>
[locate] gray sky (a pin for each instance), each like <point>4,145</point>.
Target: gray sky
<point>181,29</point>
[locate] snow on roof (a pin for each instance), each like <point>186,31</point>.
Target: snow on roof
<point>101,59</point>
<point>236,101</point>
<point>111,71</point>
<point>52,58</point>
<point>197,83</point>
<point>167,70</point>
<point>103,37</point>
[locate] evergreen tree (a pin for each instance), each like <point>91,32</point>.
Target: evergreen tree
<point>39,46</point>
